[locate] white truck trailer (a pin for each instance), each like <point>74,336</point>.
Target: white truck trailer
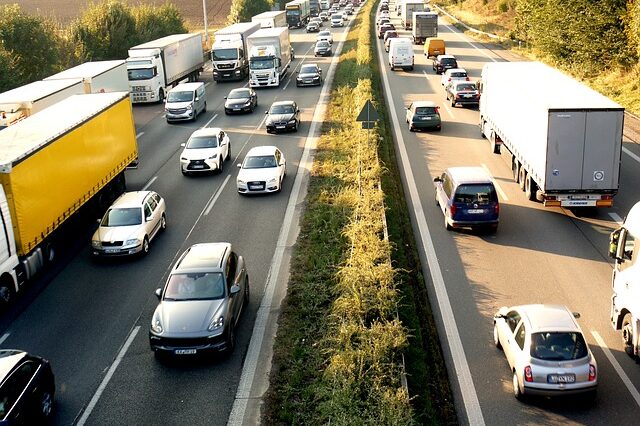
<point>408,8</point>
<point>19,103</point>
<point>625,301</point>
<point>98,76</point>
<point>229,53</point>
<point>269,56</point>
<point>563,139</point>
<point>156,66</point>
<point>425,25</point>
<point>271,19</point>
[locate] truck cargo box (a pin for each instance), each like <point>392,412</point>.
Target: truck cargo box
<point>98,76</point>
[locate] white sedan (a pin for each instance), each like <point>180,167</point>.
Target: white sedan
<point>262,171</point>
<point>206,150</point>
<point>325,36</point>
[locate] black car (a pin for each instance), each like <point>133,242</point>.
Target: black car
<point>283,115</point>
<point>240,100</point>
<point>323,48</point>
<point>27,388</point>
<point>444,62</point>
<point>309,75</point>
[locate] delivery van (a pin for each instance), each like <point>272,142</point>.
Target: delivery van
<point>434,47</point>
<point>185,102</point>
<point>401,53</point>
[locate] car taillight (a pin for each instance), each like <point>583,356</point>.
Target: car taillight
<point>452,210</point>
<point>592,372</point>
<point>528,375</point>
<point>467,79</point>
<point>496,208</point>
<point>449,79</point>
<point>437,110</point>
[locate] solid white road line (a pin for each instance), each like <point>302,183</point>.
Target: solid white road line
<point>616,217</point>
<point>105,381</point>
<point>623,376</point>
<point>153,179</point>
<point>631,154</point>
<point>500,191</point>
<point>461,367</point>
<point>259,328</point>
<point>444,104</point>
<point>209,122</point>
<point>465,38</point>
<point>4,337</point>
<point>216,195</point>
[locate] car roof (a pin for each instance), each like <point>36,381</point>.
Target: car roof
<point>8,360</point>
<point>470,174</point>
<point>457,83</point>
<point>202,257</point>
<point>187,86</point>
<point>240,89</point>
<point>452,70</point>
<point>262,150</point>
<point>419,104</point>
<point>131,199</point>
<point>283,103</point>
<point>542,317</point>
<point>206,131</point>
<point>445,57</point>
<point>309,65</point>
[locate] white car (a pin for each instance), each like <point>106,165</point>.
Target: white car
<point>132,221</point>
<point>336,20</point>
<point>454,74</point>
<point>205,151</point>
<point>262,171</point>
<point>325,36</point>
<point>383,14</point>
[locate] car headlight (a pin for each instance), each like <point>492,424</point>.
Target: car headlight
<point>213,157</point>
<point>132,241</point>
<point>247,103</point>
<point>241,182</point>
<point>298,79</point>
<point>317,77</point>
<point>216,323</point>
<point>156,324</point>
<point>189,107</point>
<point>272,180</point>
<point>292,121</point>
<point>96,244</point>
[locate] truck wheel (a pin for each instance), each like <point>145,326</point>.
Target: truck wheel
<point>522,177</point>
<point>161,95</point>
<point>6,293</point>
<point>495,148</point>
<point>530,188</point>
<point>627,334</point>
<point>515,170</point>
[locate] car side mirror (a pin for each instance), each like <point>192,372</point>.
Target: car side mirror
<point>297,72</point>
<point>149,218</point>
<point>183,144</point>
<point>239,165</point>
<point>437,179</point>
<point>297,110</point>
<point>235,289</point>
<point>158,293</point>
<point>225,97</point>
<point>266,112</point>
<point>197,99</point>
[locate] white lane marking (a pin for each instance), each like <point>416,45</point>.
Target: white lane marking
<point>461,367</point>
<point>139,135</point>
<point>216,195</point>
<point>623,376</point>
<point>616,217</point>
<point>502,193</point>
<point>444,104</point>
<point>264,119</point>
<point>250,366</point>
<point>465,38</point>
<point>631,154</point>
<point>107,378</point>
<point>4,337</point>
<point>153,179</point>
<point>209,122</point>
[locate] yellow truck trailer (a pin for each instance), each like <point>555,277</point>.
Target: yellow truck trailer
<point>67,159</point>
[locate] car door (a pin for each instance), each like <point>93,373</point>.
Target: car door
<point>231,272</point>
<point>281,164</point>
<point>443,189</point>
<point>410,113</point>
<point>506,329</point>
<point>20,394</point>
<point>223,143</point>
<point>151,219</point>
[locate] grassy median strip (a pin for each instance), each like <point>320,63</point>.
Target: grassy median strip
<point>338,353</point>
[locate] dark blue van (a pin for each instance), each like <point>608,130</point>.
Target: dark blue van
<point>467,198</point>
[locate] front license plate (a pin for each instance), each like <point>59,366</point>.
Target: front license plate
<point>279,127</point>
<point>198,166</point>
<point>256,187</point>
<point>185,351</point>
<point>236,109</point>
<point>561,378</point>
<point>475,211</point>
<point>111,250</point>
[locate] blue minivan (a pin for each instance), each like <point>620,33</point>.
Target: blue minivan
<point>467,198</point>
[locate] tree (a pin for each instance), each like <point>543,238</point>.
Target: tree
<point>633,24</point>
<point>243,10</point>
<point>6,71</point>
<point>105,31</point>
<point>155,22</point>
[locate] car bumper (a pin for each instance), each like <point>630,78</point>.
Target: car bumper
<point>257,187</point>
<point>324,53</point>
<point>544,389</point>
<point>236,110</point>
<point>116,251</point>
<point>308,83</point>
<point>333,25</point>
<point>426,124</point>
<point>280,127</point>
<point>471,223</point>
<point>227,75</point>
<point>188,345</point>
<point>199,166</point>
<point>179,117</point>
<point>467,101</point>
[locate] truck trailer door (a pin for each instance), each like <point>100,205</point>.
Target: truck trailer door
<point>603,140</point>
<point>565,150</point>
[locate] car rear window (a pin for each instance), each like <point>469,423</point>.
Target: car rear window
<point>448,61</point>
<point>475,193</point>
<point>466,86</point>
<point>562,346</point>
<point>458,74</point>
<point>425,110</point>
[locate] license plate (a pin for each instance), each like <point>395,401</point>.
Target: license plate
<point>198,166</point>
<point>561,378</point>
<point>185,351</point>
<point>475,211</point>
<point>467,96</point>
<point>279,127</point>
<point>256,187</point>
<point>426,118</point>
<point>111,250</point>
<point>236,109</point>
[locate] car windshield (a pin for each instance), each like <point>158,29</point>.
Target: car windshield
<point>122,217</point>
<point>475,193</point>
<point>322,44</point>
<point>261,64</point>
<point>239,94</point>
<point>226,54</point>
<point>562,346</point>
<point>140,74</point>
<point>447,61</point>
<point>179,96</point>
<point>308,69</point>
<point>202,142</point>
<point>260,162</point>
<point>195,286</point>
<point>425,110</point>
<point>281,109</point>
<point>466,86</point>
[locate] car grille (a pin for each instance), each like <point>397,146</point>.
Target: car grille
<point>224,66</point>
<point>137,88</point>
<point>198,165</point>
<point>256,185</point>
<point>112,243</point>
<point>177,110</point>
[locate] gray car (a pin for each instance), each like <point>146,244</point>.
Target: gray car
<point>546,351</point>
<point>201,302</point>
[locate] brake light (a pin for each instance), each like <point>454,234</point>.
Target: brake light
<point>496,208</point>
<point>449,79</point>
<point>528,375</point>
<point>467,79</point>
<point>592,372</point>
<point>452,210</point>
<point>606,197</point>
<point>437,109</point>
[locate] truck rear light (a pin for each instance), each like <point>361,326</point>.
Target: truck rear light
<point>592,372</point>
<point>606,197</point>
<point>528,375</point>
<point>604,203</point>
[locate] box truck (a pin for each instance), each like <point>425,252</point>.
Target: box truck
<point>271,19</point>
<point>229,52</point>
<point>156,66</point>
<point>19,103</point>
<point>408,8</point>
<point>98,76</point>
<point>563,139</point>
<point>59,167</point>
<point>425,25</point>
<point>269,56</point>
<point>297,13</point>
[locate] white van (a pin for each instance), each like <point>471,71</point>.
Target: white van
<point>401,53</point>
<point>336,20</point>
<point>185,102</point>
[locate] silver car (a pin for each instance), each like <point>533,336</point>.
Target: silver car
<point>201,302</point>
<point>129,225</point>
<point>546,350</point>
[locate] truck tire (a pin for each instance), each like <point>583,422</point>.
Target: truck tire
<point>530,188</point>
<point>7,292</point>
<point>482,126</point>
<point>522,177</point>
<point>627,334</point>
<point>161,95</point>
<point>515,170</point>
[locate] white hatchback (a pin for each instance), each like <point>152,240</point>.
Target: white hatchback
<point>454,74</point>
<point>325,36</point>
<point>205,151</point>
<point>262,171</point>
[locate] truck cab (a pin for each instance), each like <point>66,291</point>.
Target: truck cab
<point>146,75</point>
<point>264,66</point>
<point>624,248</point>
<point>228,58</point>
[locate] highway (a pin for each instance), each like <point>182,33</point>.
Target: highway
<point>91,319</point>
<point>538,255</point>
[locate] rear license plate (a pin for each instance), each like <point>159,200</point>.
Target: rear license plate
<point>561,378</point>
<point>467,96</point>
<point>185,351</point>
<point>426,118</point>
<point>475,211</point>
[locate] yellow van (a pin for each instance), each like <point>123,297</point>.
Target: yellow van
<point>434,47</point>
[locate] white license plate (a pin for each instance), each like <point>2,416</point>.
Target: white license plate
<point>467,96</point>
<point>198,166</point>
<point>185,351</point>
<point>561,378</point>
<point>236,109</point>
<point>475,211</point>
<point>426,118</point>
<point>111,250</point>
<point>256,187</point>
<point>279,127</point>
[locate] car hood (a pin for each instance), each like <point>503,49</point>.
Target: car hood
<point>308,75</point>
<point>234,102</point>
<point>278,118</point>
<point>187,316</point>
<point>265,174</point>
<point>177,105</point>
<point>321,48</point>
<point>199,154</point>
<point>116,233</point>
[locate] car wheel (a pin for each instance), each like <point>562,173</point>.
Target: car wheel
<point>228,157</point>
<point>295,128</point>
<point>246,292</point>
<point>517,392</point>
<point>220,165</point>
<point>627,335</point>
<point>446,224</point>
<point>145,246</point>
<point>231,339</point>
<point>411,128</point>
<point>439,128</point>
<point>46,404</point>
<point>436,199</point>
<point>163,222</point>
<point>496,339</point>
<point>226,112</point>
<point>205,107</point>
<point>453,103</point>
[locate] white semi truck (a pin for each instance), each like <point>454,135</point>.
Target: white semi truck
<point>98,76</point>
<point>408,8</point>
<point>270,56</point>
<point>156,66</point>
<point>624,248</point>
<point>230,54</point>
<point>271,19</point>
<point>563,139</point>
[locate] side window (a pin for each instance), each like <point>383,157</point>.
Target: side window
<point>156,197</point>
<point>152,203</point>
<point>15,385</point>
<point>513,318</point>
<point>411,109</point>
<point>627,249</point>
<point>220,137</point>
<point>230,269</point>
<point>521,333</point>
<point>147,210</point>
<point>278,157</point>
<point>446,185</point>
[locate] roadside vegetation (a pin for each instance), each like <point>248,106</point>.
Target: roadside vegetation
<point>356,303</point>
<point>596,42</point>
